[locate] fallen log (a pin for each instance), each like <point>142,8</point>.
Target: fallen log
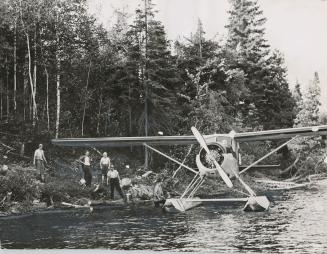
<point>8,147</point>
<point>19,155</point>
<point>74,206</point>
<point>9,134</point>
<point>3,201</point>
<point>281,185</point>
<point>119,202</point>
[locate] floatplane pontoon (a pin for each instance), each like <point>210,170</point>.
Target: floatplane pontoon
<point>218,156</point>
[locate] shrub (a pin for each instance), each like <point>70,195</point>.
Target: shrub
<point>22,184</point>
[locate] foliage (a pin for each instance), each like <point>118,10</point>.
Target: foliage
<point>22,184</point>
<point>131,80</point>
<point>59,190</point>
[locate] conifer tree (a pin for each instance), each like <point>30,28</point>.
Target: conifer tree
<point>265,75</point>
<point>153,70</point>
<point>309,113</point>
<point>298,97</point>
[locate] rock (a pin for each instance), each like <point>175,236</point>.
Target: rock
<point>3,214</point>
<point>4,170</point>
<point>126,182</point>
<point>82,201</point>
<point>36,201</point>
<point>82,182</point>
<point>40,205</point>
<point>14,209</point>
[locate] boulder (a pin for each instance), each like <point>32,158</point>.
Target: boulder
<point>40,205</point>
<point>126,182</point>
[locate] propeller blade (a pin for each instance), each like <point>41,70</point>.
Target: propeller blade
<point>203,144</point>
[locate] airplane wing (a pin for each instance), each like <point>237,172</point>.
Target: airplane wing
<point>127,141</point>
<point>187,140</point>
<point>281,133</point>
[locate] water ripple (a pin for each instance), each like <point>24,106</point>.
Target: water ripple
<point>296,223</point>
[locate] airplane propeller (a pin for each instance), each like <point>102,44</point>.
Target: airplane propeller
<point>203,144</point>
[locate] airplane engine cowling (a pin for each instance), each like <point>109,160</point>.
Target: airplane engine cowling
<point>217,150</point>
<point>226,160</point>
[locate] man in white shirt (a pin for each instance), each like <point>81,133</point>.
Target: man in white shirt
<point>39,160</point>
<point>86,166</point>
<point>104,166</point>
<point>114,180</point>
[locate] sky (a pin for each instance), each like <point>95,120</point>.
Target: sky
<point>297,28</point>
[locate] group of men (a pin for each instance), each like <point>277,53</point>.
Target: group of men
<point>109,175</point>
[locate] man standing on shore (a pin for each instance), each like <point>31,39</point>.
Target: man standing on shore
<point>114,180</point>
<point>104,166</point>
<point>86,166</point>
<point>39,160</point>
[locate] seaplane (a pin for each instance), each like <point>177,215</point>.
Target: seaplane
<point>218,156</point>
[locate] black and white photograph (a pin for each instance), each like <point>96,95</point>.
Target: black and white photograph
<point>193,126</point>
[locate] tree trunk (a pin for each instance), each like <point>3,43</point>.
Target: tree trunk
<point>129,110</point>
<point>47,97</point>
<point>57,78</point>
<point>15,66</point>
<point>25,98</point>
<point>130,114</point>
<point>34,76</point>
<point>7,88</point>
<point>34,109</point>
<point>44,107</point>
<point>99,114</point>
<point>1,99</point>
<point>85,98</point>
<point>145,82</point>
<point>58,97</point>
<point>107,118</point>
<point>31,107</point>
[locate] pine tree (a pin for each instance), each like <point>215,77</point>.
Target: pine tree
<point>247,49</point>
<point>298,97</point>
<point>276,107</point>
<point>309,113</point>
<point>153,70</point>
<point>246,30</point>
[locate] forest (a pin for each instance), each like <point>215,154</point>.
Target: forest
<point>64,75</point>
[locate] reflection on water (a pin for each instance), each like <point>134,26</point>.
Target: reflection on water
<point>296,223</point>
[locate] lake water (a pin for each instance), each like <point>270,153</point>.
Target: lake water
<point>295,223</point>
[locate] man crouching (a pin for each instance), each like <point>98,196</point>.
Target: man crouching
<point>158,194</point>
